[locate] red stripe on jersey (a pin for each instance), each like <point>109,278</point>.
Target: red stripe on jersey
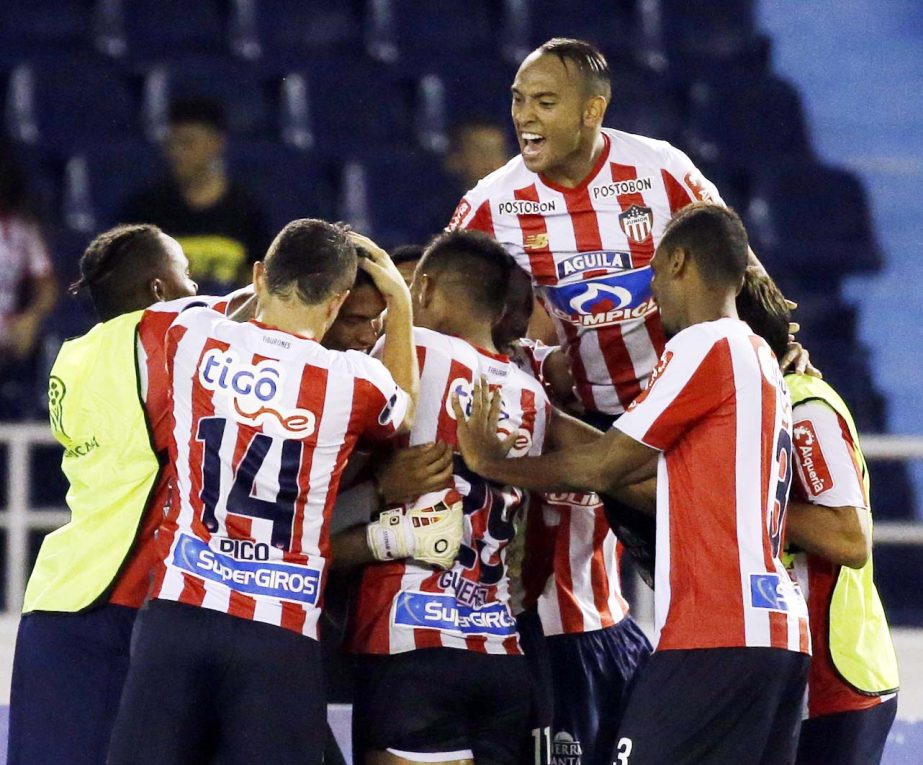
<point>678,196</point>
<point>311,396</point>
<point>599,574</point>
<point>641,253</point>
<point>534,232</point>
<point>571,617</point>
<point>446,429</point>
<point>378,587</point>
<point>583,217</point>
<point>238,527</point>
<point>482,219</point>
<point>853,454</point>
<point>572,349</point>
<point>241,605</point>
<point>193,592</point>
<point>293,617</point>
<point>619,364</point>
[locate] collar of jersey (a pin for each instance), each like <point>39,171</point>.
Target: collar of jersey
<point>607,142</point>
<point>283,331</point>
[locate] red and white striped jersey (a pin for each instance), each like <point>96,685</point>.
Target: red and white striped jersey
<point>581,589</point>
<point>828,473</point>
<point>263,422</point>
<point>589,249</point>
<point>134,580</point>
<point>570,571</point>
<point>720,414</point>
<point>402,605</point>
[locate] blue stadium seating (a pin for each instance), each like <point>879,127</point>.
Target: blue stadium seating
<point>72,102</point>
<point>287,28</point>
<point>25,25</point>
<point>746,123</point>
<point>611,26</point>
<point>813,221</point>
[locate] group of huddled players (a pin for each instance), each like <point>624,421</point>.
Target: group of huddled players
<point>225,452</point>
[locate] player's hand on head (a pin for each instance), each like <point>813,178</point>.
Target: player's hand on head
<point>381,268</point>
<point>408,473</point>
<point>477,434</point>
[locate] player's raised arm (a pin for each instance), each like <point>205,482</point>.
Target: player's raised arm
<point>611,461</point>
<point>398,353</point>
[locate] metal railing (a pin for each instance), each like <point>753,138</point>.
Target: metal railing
<point>21,517</point>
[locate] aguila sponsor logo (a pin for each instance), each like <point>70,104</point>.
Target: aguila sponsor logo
<point>526,207</point>
<point>590,261</point>
<point>617,188</point>
<point>810,458</point>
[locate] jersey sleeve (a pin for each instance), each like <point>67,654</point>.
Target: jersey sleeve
<point>384,403</point>
<point>828,471</point>
<point>473,214</point>
<point>688,383</point>
<point>684,182</point>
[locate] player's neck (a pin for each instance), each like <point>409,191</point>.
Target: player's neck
<point>578,167</point>
<point>474,332</point>
<point>711,306</point>
<point>303,320</point>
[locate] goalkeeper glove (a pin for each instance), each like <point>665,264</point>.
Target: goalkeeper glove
<point>427,534</point>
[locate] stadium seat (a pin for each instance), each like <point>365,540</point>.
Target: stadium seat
<point>373,199</point>
<point>643,102</point>
<point>239,86</point>
<point>144,30</point>
<point>52,25</point>
<point>285,28</point>
<point>289,183</point>
<point>689,30</point>
<point>611,26</point>
<point>743,124</point>
<point>812,220</point>
<point>69,103</point>
<point>354,103</point>
<point>412,31</point>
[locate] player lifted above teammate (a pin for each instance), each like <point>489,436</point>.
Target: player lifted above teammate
<point>264,419</point>
<point>716,407</point>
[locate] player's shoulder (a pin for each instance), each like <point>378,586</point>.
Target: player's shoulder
<point>700,338</point>
<point>448,346</point>
<point>631,148</point>
<point>525,380</point>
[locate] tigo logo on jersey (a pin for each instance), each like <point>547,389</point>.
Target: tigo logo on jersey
<point>637,222</point>
<point>811,459</point>
<point>442,612</point>
<point>591,261</point>
<point>254,391</point>
<point>605,301</point>
<point>273,580</point>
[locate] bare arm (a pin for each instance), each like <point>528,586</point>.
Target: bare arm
<point>611,461</point>
<point>838,534</point>
<point>398,354</point>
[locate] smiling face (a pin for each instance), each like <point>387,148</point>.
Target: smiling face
<point>358,324</point>
<point>555,123</point>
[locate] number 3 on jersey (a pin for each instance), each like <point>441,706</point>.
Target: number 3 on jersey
<point>240,499</point>
<point>783,483</point>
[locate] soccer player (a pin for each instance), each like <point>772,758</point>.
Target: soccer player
<point>225,661</point>
<point>571,580</point>
<point>853,680</point>
<point>441,677</point>
<point>108,408</point>
<point>725,681</point>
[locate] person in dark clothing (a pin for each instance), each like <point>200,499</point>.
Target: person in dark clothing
<point>219,223</point>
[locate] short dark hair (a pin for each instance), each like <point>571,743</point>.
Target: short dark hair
<point>590,62</point>
<point>311,258</point>
<point>715,239</point>
<point>406,253</point>
<point>200,110</point>
<point>117,266</point>
<point>520,303</point>
<point>762,305</point>
<point>478,265</point>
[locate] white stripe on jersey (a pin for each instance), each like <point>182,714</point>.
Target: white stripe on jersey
<point>748,386</point>
<point>662,571</point>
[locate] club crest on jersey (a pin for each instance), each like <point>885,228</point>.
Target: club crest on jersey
<point>604,301</point>
<point>637,223</point>
<point>811,460</point>
<point>591,261</point>
<point>254,392</point>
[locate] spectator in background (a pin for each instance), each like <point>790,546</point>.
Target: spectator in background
<point>220,225</point>
<point>476,148</point>
<point>28,289</point>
